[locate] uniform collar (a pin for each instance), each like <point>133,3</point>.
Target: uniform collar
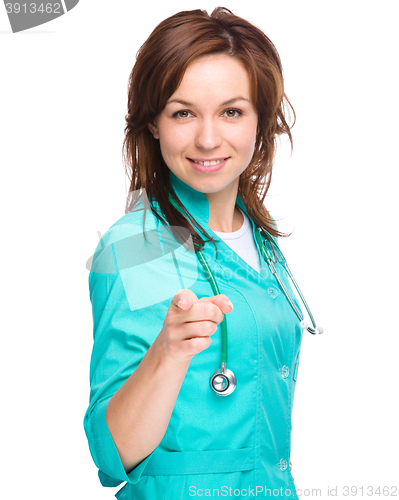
<point>195,201</point>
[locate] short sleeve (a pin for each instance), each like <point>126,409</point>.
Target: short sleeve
<point>122,335</point>
<point>104,452</point>
<point>132,280</point>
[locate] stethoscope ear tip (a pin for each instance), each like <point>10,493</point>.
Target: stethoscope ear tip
<point>314,331</point>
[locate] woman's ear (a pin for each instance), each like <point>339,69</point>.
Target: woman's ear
<point>154,130</point>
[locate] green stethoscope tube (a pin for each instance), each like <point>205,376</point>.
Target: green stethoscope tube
<point>223,381</point>
<point>216,291</point>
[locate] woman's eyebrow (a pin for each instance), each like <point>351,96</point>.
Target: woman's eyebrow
<point>185,103</point>
<point>226,103</point>
<point>231,101</point>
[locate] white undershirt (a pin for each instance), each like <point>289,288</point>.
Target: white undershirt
<point>243,243</point>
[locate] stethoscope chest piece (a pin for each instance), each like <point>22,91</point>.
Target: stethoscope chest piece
<point>223,381</point>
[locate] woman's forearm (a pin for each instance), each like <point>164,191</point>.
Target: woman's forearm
<point>138,413</point>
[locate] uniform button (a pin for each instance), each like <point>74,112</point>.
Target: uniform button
<point>272,292</point>
<point>282,464</point>
<point>285,371</point>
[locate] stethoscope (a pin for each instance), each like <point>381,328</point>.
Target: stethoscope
<point>223,381</point>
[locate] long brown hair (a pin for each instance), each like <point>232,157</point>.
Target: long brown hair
<point>159,69</point>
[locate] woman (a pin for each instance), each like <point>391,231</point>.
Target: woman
<point>206,103</point>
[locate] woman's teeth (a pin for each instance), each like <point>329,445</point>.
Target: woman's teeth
<point>208,163</point>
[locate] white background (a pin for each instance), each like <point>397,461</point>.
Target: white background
<point>63,100</point>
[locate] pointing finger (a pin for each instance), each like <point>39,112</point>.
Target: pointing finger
<point>221,300</point>
<point>184,299</point>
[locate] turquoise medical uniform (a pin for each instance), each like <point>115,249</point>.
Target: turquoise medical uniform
<point>237,445</point>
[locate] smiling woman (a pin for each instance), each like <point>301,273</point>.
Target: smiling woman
<point>206,103</point>
<point>209,137</point>
<point>188,56</point>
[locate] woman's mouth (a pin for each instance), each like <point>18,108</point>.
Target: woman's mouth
<point>208,165</point>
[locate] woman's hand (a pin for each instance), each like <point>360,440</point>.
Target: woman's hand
<point>189,324</point>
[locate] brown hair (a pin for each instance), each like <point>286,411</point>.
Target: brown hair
<point>160,66</point>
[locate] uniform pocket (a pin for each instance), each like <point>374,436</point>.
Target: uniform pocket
<point>164,463</point>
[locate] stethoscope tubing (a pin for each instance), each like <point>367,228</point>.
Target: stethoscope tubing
<point>216,291</point>
<point>266,255</point>
<point>223,381</point>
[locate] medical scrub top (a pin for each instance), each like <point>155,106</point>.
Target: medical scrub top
<point>214,446</point>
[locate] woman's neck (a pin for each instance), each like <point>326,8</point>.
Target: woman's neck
<point>224,216</point>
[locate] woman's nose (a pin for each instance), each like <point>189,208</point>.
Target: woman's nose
<point>208,135</point>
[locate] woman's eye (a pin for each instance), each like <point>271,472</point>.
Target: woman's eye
<point>229,113</point>
<point>182,114</point>
<point>232,113</point>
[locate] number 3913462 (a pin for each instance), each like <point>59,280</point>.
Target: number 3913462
<point>33,8</point>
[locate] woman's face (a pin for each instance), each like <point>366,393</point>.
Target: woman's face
<point>207,130</point>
